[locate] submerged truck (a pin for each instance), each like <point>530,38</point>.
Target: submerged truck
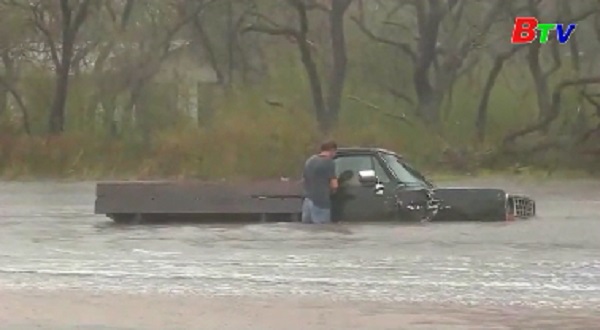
<point>375,185</point>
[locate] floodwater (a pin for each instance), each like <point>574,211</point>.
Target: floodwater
<point>50,239</point>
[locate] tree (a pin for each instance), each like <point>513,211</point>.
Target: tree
<point>549,103</point>
<point>70,17</point>
<point>326,106</point>
<point>440,49</point>
<point>13,40</point>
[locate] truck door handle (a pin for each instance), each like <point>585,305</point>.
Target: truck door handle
<point>379,189</point>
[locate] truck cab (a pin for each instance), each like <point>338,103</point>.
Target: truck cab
<point>378,184</point>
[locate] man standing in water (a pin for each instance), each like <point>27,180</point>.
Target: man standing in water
<point>320,182</point>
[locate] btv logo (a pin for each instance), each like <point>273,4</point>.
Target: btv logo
<point>526,28</point>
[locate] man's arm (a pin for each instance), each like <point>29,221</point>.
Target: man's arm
<point>333,181</point>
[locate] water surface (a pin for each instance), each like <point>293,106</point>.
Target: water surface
<point>50,239</point>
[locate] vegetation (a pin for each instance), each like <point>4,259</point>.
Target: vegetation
<point>247,88</point>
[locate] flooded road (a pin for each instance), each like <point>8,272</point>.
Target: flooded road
<point>50,239</point>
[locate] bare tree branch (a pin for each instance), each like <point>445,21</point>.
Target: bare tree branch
<point>404,47</point>
<point>555,108</point>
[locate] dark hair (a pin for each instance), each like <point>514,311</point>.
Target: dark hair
<point>329,146</point>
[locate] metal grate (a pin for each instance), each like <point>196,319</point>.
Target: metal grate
<point>521,206</point>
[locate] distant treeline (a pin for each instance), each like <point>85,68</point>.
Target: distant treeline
<point>247,88</point>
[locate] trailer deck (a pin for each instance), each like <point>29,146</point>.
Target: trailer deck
<point>126,201</point>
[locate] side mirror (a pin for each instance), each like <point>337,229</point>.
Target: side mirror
<point>367,177</point>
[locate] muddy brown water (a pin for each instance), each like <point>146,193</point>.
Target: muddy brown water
<point>50,239</point>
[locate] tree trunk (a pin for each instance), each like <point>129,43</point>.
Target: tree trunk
<point>326,112</point>
<point>540,80</point>
<point>3,101</point>
<point>340,60</point>
<point>482,109</point>
<point>207,45</point>
<point>71,21</point>
<point>109,105</point>
<point>311,69</point>
<point>429,17</point>
<point>231,40</point>
<point>482,112</point>
<point>57,111</point>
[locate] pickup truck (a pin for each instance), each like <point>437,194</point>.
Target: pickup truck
<point>375,185</point>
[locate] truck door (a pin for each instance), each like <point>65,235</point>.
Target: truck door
<point>355,201</point>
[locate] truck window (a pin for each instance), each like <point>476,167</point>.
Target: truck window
<point>359,163</point>
<point>404,173</point>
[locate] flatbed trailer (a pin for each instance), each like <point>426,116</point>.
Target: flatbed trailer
<point>135,201</point>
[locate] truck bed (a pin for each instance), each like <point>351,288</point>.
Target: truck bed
<point>170,198</point>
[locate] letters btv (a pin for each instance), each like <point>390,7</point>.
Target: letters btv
<point>526,31</point>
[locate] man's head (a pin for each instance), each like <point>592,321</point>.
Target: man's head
<point>328,148</point>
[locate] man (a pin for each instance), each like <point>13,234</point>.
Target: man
<point>320,182</point>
